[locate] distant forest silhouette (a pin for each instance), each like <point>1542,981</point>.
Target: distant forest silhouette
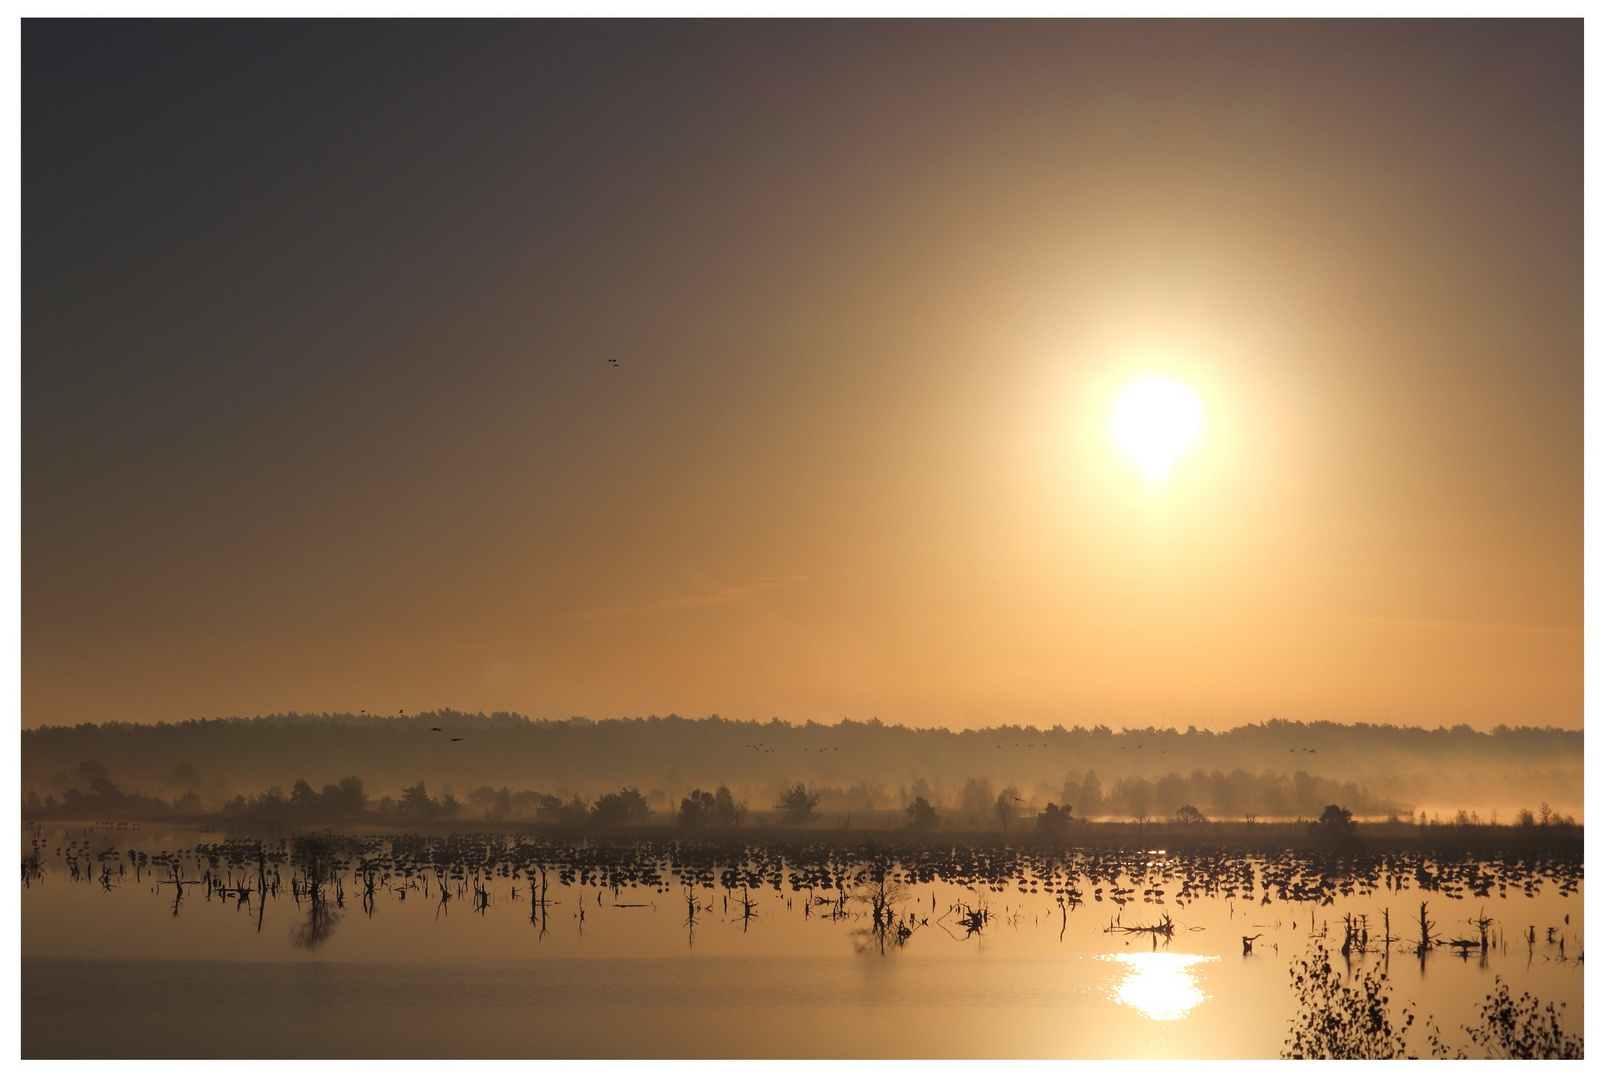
<point>447,765</point>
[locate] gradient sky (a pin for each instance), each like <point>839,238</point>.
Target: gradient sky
<point>318,414</point>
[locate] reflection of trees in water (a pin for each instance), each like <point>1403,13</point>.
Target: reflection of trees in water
<point>869,872</point>
<point>882,888</point>
<point>859,880</point>
<point>318,925</point>
<point>316,858</point>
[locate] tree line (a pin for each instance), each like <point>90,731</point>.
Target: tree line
<point>1193,800</point>
<point>858,765</point>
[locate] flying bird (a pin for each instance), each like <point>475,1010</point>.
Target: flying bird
<point>456,739</point>
<point>436,729</point>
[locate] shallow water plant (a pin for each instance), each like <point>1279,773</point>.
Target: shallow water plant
<point>1343,1018</point>
<point>1521,1028</point>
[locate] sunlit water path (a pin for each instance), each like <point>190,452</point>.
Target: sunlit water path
<point>141,944</point>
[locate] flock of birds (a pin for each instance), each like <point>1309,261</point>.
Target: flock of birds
<point>762,748</point>
<point>1119,875</point>
<point>866,882</point>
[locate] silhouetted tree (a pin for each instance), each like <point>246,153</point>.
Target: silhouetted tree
<point>573,812</point>
<point>1335,820</point>
<point>495,805</point>
<point>1134,794</point>
<point>346,799</point>
<point>414,802</point>
<point>1053,819</point>
<point>700,808</point>
<point>1006,804</point>
<point>695,809</point>
<point>921,815</point>
<point>977,799</point>
<point>725,811</point>
<point>621,808</point>
<point>798,805</point>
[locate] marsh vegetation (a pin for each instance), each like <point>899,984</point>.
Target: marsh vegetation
<point>1362,911</point>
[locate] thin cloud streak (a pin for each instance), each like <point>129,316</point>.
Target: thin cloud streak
<point>728,596</point>
<point>1479,627</point>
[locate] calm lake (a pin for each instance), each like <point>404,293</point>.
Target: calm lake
<point>143,943</point>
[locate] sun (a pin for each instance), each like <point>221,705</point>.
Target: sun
<point>1156,421</point>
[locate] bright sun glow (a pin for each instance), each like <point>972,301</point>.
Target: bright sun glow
<point>1156,420</point>
<point>1160,985</point>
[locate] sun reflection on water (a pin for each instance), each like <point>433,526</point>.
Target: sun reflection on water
<point>1160,985</point>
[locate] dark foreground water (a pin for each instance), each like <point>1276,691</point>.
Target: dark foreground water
<point>441,948</point>
<point>570,1007</point>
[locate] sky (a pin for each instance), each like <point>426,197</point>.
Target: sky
<point>320,409</point>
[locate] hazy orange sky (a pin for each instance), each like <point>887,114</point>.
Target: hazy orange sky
<point>318,413</point>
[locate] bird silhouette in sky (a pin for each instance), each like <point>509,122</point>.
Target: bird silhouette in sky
<point>456,739</point>
<point>612,361</point>
<point>436,729</point>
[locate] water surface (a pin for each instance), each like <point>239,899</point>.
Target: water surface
<point>732,950</point>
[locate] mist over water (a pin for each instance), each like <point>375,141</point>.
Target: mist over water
<point>862,771</point>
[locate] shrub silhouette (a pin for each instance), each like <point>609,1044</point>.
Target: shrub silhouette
<point>621,807</point>
<point>1521,1029</point>
<point>798,805</point>
<point>414,802</point>
<point>1336,820</point>
<point>1053,819</point>
<point>1352,1020</point>
<point>551,808</point>
<point>700,808</point>
<point>921,815</point>
<point>1342,1020</point>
